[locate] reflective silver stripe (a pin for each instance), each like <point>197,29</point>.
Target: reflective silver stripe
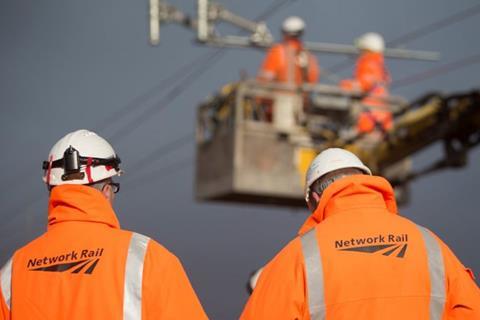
<point>314,274</point>
<point>6,282</point>
<point>132,291</point>
<point>436,269</point>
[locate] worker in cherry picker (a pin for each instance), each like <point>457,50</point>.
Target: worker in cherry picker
<point>288,63</point>
<point>372,79</point>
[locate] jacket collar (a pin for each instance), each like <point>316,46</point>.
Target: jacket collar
<point>357,191</point>
<point>80,203</point>
<point>372,56</point>
<point>296,44</point>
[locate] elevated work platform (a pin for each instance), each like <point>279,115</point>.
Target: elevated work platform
<point>255,141</point>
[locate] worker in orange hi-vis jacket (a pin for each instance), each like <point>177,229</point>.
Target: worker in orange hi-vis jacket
<point>85,266</point>
<point>289,62</point>
<point>356,258</point>
<point>372,78</point>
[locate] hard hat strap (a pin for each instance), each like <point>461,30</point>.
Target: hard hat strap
<point>88,170</point>
<point>49,168</point>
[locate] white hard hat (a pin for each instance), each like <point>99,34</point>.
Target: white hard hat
<point>293,26</point>
<point>371,41</point>
<point>330,160</point>
<point>80,157</point>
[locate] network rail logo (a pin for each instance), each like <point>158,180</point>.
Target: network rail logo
<point>387,245</point>
<point>83,261</point>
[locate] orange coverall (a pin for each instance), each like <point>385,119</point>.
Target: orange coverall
<point>372,78</point>
<point>367,262</point>
<point>86,267</point>
<point>288,62</point>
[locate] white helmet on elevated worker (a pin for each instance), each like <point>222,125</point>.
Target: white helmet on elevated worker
<point>80,157</point>
<point>293,26</point>
<point>371,41</point>
<point>330,160</point>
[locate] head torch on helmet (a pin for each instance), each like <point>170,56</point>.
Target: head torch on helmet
<point>72,163</point>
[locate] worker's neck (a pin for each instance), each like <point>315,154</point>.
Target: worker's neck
<point>371,53</point>
<point>292,41</point>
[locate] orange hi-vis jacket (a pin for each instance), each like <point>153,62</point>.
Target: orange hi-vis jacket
<point>356,258</point>
<point>372,78</point>
<point>85,267</point>
<point>288,62</point>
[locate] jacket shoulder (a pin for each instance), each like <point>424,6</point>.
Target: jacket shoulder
<point>276,49</point>
<point>31,246</point>
<point>291,255</point>
<point>154,248</point>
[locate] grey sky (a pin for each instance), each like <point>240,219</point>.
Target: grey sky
<point>70,64</point>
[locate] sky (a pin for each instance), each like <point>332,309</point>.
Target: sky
<point>68,65</point>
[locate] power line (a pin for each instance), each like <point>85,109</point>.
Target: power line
<point>435,26</point>
<point>168,98</point>
<point>162,172</point>
<point>140,100</point>
<point>162,151</point>
<point>420,32</point>
<point>272,8</point>
<point>446,68</point>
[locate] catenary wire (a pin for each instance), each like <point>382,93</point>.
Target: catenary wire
<point>433,72</point>
<point>418,33</point>
<point>160,173</point>
<point>166,100</point>
<point>140,100</point>
<point>161,151</point>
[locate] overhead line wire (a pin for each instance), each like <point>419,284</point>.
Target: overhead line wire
<point>162,172</point>
<point>162,151</point>
<point>420,32</point>
<point>164,102</point>
<point>274,7</point>
<point>436,25</point>
<point>143,98</point>
<point>446,68</point>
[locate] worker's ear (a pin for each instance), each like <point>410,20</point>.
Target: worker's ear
<point>107,192</point>
<point>314,200</point>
